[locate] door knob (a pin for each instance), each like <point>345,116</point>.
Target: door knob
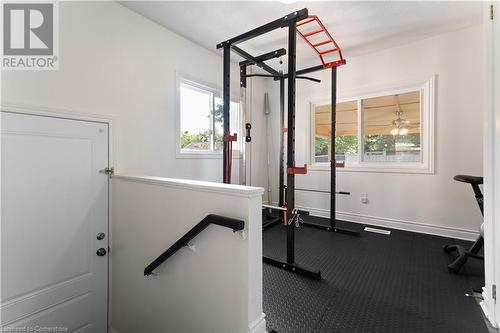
<point>101,236</point>
<point>101,252</point>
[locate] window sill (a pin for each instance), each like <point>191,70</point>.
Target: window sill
<point>203,155</point>
<point>410,169</point>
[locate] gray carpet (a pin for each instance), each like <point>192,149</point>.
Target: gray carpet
<point>375,283</point>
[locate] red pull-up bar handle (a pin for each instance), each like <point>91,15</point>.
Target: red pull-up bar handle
<point>335,46</point>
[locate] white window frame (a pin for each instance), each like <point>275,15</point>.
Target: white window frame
<point>427,106</point>
<point>204,86</point>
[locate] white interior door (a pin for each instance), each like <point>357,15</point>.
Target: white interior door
<point>54,204</point>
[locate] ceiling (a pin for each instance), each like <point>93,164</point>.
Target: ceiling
<point>358,27</point>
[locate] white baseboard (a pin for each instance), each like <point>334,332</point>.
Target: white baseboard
<point>486,310</point>
<point>258,325</point>
<point>397,224</point>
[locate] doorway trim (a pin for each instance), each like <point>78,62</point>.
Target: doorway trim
<point>491,162</point>
<point>66,114</point>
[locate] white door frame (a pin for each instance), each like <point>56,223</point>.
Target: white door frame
<point>66,114</point>
<point>491,161</point>
<point>73,115</point>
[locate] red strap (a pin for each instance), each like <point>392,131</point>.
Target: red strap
<point>228,137</point>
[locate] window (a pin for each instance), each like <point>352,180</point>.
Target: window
<point>234,123</point>
<point>391,128</point>
<point>388,131</point>
<point>200,120</point>
<point>346,138</point>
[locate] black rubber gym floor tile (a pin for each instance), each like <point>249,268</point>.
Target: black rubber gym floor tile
<point>375,283</point>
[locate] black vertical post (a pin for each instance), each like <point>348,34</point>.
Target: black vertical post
<point>226,99</point>
<point>282,144</point>
<point>333,164</point>
<point>243,76</point>
<point>290,189</point>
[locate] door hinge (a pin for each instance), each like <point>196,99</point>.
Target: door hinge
<point>108,171</point>
<point>492,16</point>
<point>494,292</point>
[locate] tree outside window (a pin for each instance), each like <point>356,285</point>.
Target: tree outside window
<point>201,119</point>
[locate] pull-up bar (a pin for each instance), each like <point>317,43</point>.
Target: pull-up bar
<point>326,48</point>
<point>307,70</point>
<point>277,77</point>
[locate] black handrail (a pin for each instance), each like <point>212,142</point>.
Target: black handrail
<point>184,240</point>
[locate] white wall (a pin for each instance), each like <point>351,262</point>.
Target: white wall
<point>421,202</point>
<point>218,288</point>
<point>116,63</point>
<point>256,88</point>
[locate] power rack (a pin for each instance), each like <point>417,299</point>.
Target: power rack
<point>316,35</point>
